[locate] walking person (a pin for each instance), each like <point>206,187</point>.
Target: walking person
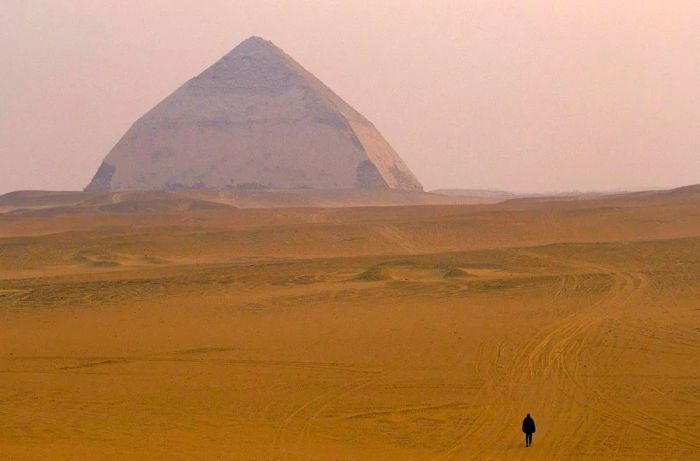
<point>528,429</point>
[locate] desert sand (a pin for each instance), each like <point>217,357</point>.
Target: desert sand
<point>176,328</point>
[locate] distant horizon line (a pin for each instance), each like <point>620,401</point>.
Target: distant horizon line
<point>620,190</point>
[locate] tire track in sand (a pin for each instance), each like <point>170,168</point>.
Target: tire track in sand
<point>543,360</point>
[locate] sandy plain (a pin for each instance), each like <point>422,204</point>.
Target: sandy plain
<point>166,331</point>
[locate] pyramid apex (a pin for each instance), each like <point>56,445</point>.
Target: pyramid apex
<point>254,38</point>
<point>255,42</point>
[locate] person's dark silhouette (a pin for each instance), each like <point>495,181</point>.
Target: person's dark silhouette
<point>528,429</point>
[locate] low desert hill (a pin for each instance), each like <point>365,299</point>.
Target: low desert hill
<point>58,202</point>
<point>39,199</point>
<point>496,195</point>
<point>254,224</point>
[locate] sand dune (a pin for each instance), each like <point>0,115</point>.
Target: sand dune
<point>374,333</point>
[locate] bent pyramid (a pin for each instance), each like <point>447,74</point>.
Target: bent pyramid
<point>255,119</point>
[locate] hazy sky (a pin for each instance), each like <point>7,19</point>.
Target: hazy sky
<point>509,94</point>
